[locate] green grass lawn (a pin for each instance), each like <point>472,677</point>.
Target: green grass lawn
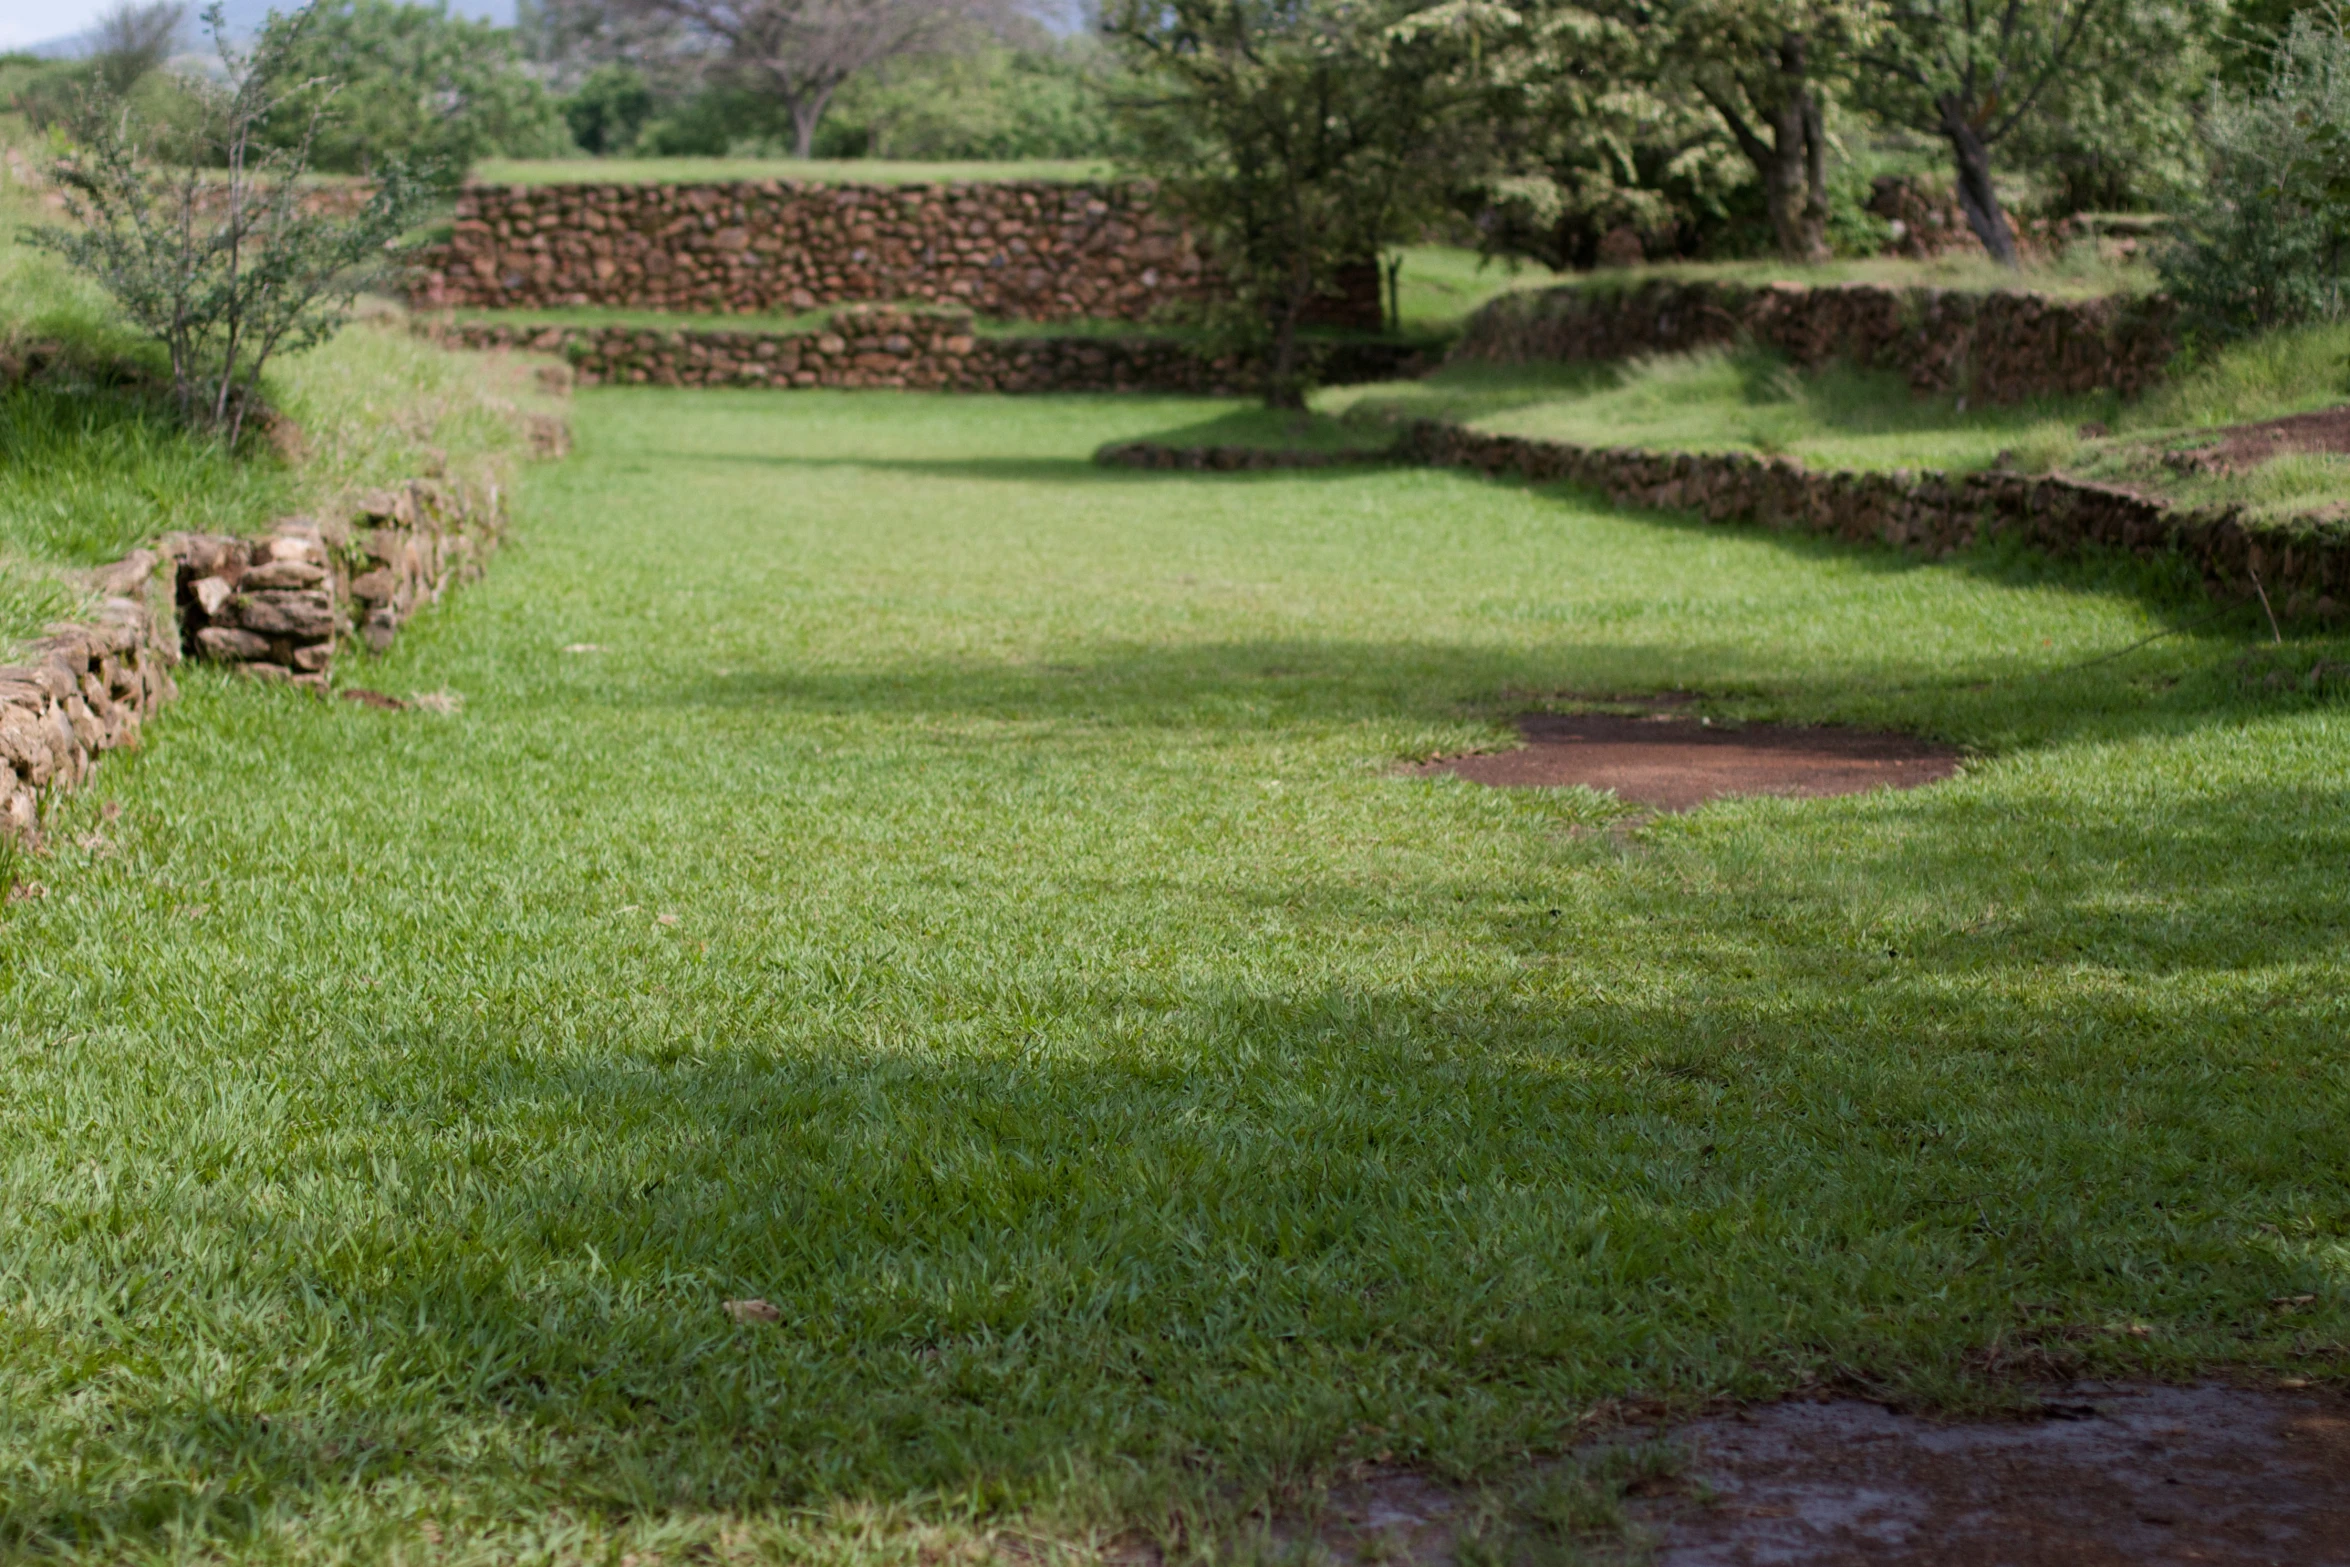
<point>965,898</point>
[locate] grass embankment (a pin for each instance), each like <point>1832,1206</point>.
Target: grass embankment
<point>889,867</point>
<point>93,462</point>
<point>1751,400</point>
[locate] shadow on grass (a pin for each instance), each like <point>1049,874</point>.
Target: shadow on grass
<point>1036,1232</point>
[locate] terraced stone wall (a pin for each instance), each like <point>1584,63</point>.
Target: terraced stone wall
<point>920,350</point>
<point>1993,347</point>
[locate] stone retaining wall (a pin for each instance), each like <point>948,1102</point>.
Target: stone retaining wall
<point>917,350</point>
<point>279,605</point>
<point>2304,571</point>
<point>1024,250</point>
<point>84,690</point>
<point>1996,347</point>
<point>275,606</point>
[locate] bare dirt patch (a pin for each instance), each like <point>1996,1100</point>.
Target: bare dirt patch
<point>2240,447</point>
<point>2103,1474</point>
<point>2114,1475</point>
<point>1672,762</point>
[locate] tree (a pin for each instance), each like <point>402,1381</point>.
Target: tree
<point>1589,136</point>
<point>2267,244</point>
<point>415,84</point>
<point>1295,137</point>
<point>801,51</point>
<point>1970,72</point>
<point>220,257</point>
<point>1766,69</point>
<point>2119,131</point>
<point>131,40</point>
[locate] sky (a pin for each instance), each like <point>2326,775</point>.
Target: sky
<point>26,23</point>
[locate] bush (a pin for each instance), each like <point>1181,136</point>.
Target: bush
<point>2264,243</point>
<point>992,102</point>
<point>225,272</point>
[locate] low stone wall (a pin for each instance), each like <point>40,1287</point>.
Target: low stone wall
<point>84,690</point>
<point>1996,347</point>
<point>2305,572</point>
<point>914,350</point>
<point>1231,459</point>
<point>278,605</point>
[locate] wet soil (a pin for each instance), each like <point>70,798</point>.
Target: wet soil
<point>1673,762</point>
<point>2241,447</point>
<point>2115,1475</point>
<point>2102,1474</point>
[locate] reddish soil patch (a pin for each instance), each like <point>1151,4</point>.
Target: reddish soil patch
<point>2108,1475</point>
<point>2125,1475</point>
<point>1673,763</point>
<point>2242,446</point>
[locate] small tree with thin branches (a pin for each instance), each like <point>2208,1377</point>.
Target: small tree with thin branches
<point>219,255</point>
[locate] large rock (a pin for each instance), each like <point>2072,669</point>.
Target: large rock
<point>229,645</point>
<point>306,616</point>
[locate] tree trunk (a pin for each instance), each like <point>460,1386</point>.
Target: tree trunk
<point>1285,387</point>
<point>807,112</point>
<point>1793,164</point>
<point>1976,196</point>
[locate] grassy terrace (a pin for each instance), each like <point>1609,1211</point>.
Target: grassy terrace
<point>1753,401</point>
<point>887,866</point>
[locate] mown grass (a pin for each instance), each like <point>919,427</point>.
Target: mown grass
<point>886,866</point>
<point>1731,399</point>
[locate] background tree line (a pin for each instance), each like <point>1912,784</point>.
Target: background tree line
<point>1302,136</point>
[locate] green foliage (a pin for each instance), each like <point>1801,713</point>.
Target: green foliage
<point>414,85</point>
<point>2118,132</point>
<point>719,121</point>
<point>226,272</point>
<point>608,109</point>
<point>992,101</point>
<point>2267,242</point>
<point>1296,140</point>
<point>89,472</point>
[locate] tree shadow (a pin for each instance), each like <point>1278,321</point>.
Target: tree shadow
<point>1047,1227</point>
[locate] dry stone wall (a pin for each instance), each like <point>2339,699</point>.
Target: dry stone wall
<point>2305,571</point>
<point>915,350</point>
<point>83,689</point>
<point>276,606</point>
<point>1019,250</point>
<point>280,604</point>
<point>1995,347</point>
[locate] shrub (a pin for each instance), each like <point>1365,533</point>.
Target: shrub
<point>225,271</point>
<point>2264,243</point>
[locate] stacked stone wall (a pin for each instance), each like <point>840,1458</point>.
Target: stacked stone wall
<point>276,606</point>
<point>83,690</point>
<point>1994,347</point>
<point>913,350</point>
<point>1019,250</point>
<point>280,604</point>
<point>2304,570</point>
